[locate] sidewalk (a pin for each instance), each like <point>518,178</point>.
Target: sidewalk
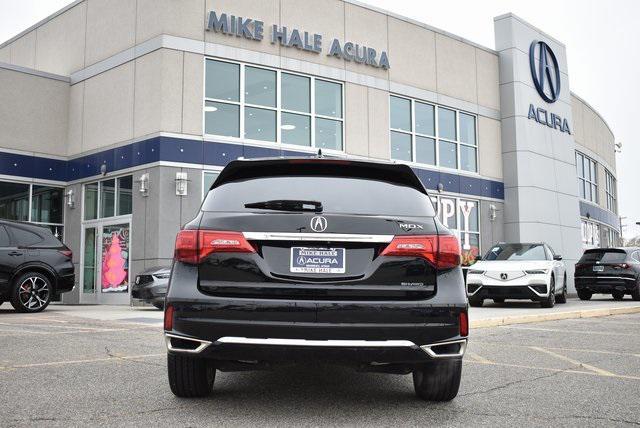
<point>490,315</point>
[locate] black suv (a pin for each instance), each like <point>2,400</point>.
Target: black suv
<point>614,271</point>
<point>35,267</point>
<point>297,259</point>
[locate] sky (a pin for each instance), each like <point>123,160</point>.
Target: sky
<point>601,37</point>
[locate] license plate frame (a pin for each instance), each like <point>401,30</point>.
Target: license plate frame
<point>598,268</point>
<point>316,260</point>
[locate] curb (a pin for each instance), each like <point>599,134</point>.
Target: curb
<point>524,319</point>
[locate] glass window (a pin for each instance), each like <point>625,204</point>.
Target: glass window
<point>14,201</point>
<point>468,158</point>
<point>125,187</point>
<point>107,198</point>
<point>222,81</point>
<point>328,134</point>
<point>446,123</point>
<point>425,150</point>
<point>587,177</point>
<point>260,86</point>
<point>296,92</point>
<point>328,98</point>
<point>91,201</point>
<point>46,204</point>
<point>425,122</point>
<point>517,252</point>
<point>222,119</point>
<point>401,146</point>
<point>296,129</point>
<point>260,124</point>
<point>467,129</point>
<point>208,178</point>
<point>448,154</point>
<point>24,238</point>
<point>400,110</point>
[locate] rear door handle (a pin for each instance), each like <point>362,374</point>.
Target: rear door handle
<point>16,253</point>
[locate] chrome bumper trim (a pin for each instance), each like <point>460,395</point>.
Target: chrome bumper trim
<point>319,343</point>
<point>604,277</point>
<point>342,237</point>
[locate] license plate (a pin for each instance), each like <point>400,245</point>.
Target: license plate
<point>317,260</point>
<point>598,268</point>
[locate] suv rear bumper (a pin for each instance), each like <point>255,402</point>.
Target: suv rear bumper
<point>606,284</point>
<point>280,332</point>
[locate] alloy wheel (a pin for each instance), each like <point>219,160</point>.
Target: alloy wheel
<point>33,293</point>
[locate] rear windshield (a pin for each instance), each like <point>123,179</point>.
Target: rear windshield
<point>517,252</point>
<point>605,256</point>
<point>336,194</point>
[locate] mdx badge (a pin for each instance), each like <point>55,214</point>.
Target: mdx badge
<point>318,224</point>
<point>409,226</point>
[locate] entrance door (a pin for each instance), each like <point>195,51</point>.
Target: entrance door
<point>105,262</point>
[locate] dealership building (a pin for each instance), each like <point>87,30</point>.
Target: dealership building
<point>117,115</point>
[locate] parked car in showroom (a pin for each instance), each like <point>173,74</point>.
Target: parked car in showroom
<point>614,271</point>
<point>295,259</point>
<point>151,284</point>
<point>530,271</point>
<point>35,266</point>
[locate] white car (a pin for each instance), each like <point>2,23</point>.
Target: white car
<point>518,271</point>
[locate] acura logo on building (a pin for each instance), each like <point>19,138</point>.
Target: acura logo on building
<point>504,276</point>
<point>546,76</point>
<point>318,224</point>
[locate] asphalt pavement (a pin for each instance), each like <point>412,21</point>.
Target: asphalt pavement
<point>58,369</point>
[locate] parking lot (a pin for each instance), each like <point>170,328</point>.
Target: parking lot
<point>58,369</point>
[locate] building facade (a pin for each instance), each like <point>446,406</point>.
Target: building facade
<point>117,116</point>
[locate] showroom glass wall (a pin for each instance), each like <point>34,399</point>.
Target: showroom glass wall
<point>432,135</point>
<point>36,203</point>
<point>271,106</point>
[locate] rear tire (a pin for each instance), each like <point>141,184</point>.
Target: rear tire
<point>475,302</point>
<point>190,376</point>
<point>562,297</point>
<point>635,294</point>
<point>584,294</point>
<point>500,300</point>
<point>550,300</point>
<point>617,295</point>
<point>438,380</point>
<point>158,306</point>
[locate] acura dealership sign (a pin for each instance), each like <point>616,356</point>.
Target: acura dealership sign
<point>545,73</point>
<point>253,29</point>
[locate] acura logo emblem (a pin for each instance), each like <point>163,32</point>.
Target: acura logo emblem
<point>318,224</point>
<point>504,276</point>
<point>546,73</point>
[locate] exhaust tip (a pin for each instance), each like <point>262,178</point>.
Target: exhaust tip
<point>190,345</point>
<point>451,349</point>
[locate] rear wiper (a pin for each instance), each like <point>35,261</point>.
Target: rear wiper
<point>287,205</point>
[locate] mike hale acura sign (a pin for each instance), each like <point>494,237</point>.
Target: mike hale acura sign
<point>253,29</point>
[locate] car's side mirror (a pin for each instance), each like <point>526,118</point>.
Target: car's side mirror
<point>557,257</point>
<point>478,257</point>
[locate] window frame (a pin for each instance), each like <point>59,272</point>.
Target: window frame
<point>116,201</point>
<point>611,191</point>
<point>436,129</point>
<point>30,207</point>
<point>583,181</point>
<point>278,108</point>
<point>205,172</point>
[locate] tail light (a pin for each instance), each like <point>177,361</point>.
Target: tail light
<point>442,251</point>
<point>621,266</point>
<point>193,246</point>
<point>168,318</point>
<point>67,253</point>
<point>464,324</point>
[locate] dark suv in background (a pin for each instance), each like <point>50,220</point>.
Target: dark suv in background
<point>35,266</point>
<point>614,271</point>
<point>298,259</point>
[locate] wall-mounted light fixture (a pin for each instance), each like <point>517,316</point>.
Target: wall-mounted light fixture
<point>493,212</point>
<point>70,196</point>
<point>182,181</point>
<point>440,187</point>
<point>618,147</point>
<point>103,169</point>
<point>143,182</point>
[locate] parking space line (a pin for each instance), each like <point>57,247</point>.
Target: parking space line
<point>572,361</point>
<point>606,333</point>
<point>479,358</point>
<point>53,326</point>
<point>90,360</point>
<point>10,333</point>
<point>594,351</point>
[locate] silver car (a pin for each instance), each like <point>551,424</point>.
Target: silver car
<point>151,285</point>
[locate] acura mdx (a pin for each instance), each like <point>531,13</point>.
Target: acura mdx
<point>295,259</point>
